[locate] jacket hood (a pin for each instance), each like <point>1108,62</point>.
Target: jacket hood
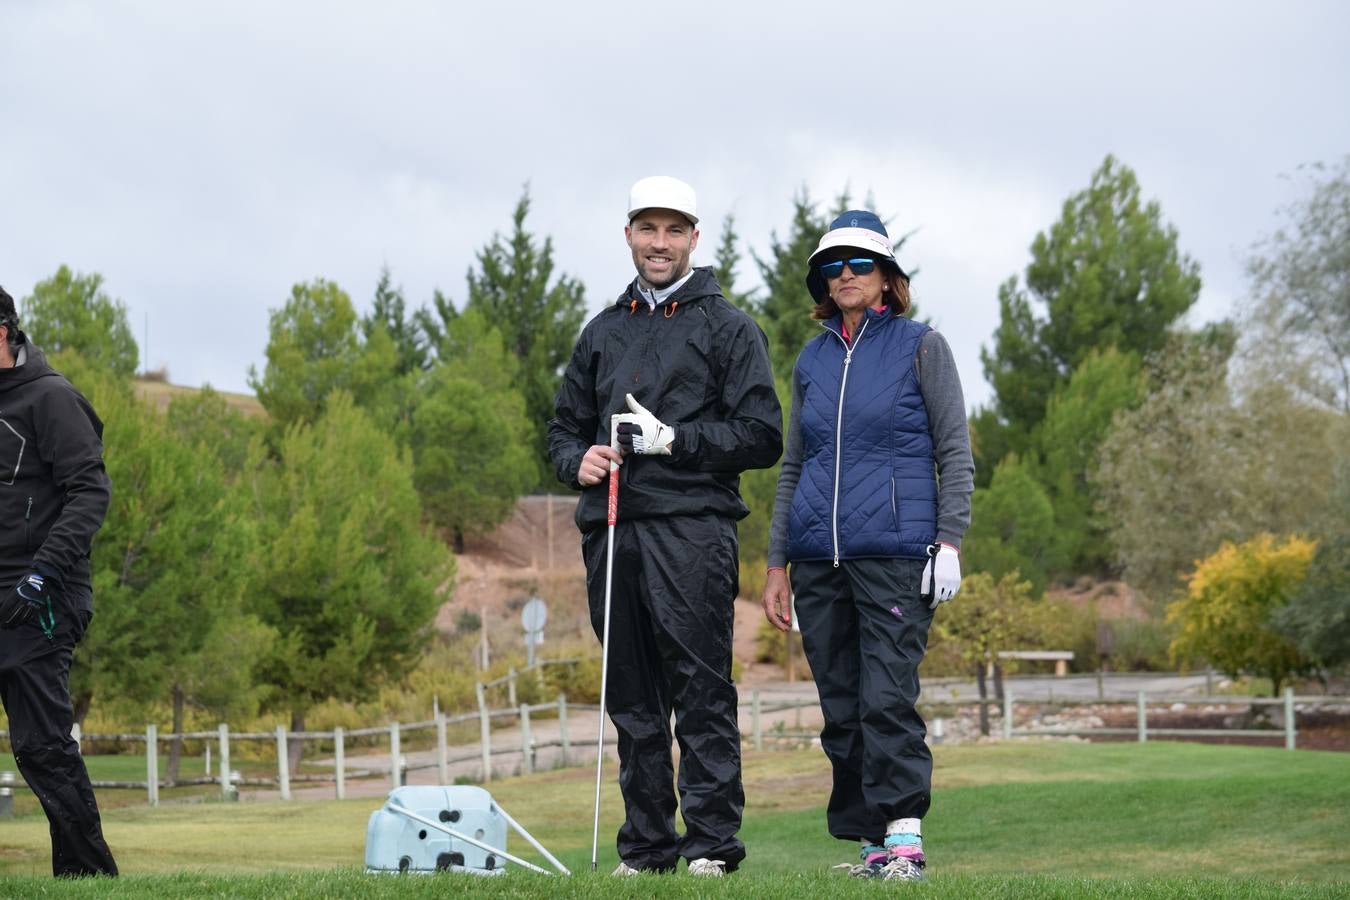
<point>34,367</point>
<point>702,283</point>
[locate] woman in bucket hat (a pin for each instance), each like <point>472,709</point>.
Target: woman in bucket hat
<point>872,537</point>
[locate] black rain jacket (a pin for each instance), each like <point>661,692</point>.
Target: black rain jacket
<point>698,364</point>
<point>54,491</point>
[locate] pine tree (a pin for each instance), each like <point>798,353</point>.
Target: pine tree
<point>389,311</point>
<point>1107,274</point>
<point>471,437</point>
<point>726,260</point>
<point>345,571</point>
<point>539,316</point>
<point>71,312</point>
<point>314,349</point>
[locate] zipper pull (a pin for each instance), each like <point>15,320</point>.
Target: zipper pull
<point>28,513</point>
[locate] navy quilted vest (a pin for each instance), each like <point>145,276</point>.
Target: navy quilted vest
<point>885,504</point>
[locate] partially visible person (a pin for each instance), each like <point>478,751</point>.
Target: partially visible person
<point>689,375</point>
<point>54,494</point>
<point>871,533</point>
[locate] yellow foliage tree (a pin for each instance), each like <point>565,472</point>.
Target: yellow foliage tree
<point>1226,613</point>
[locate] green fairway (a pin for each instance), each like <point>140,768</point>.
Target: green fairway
<point>1008,820</point>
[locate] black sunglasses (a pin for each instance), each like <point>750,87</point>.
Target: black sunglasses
<point>861,266</point>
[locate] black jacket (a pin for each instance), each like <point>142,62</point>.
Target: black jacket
<point>54,491</point>
<point>697,363</point>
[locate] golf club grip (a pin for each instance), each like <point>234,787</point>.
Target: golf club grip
<point>613,493</point>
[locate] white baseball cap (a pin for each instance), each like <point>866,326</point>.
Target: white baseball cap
<point>663,192</point>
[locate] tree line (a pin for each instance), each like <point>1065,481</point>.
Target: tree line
<point>272,564</point>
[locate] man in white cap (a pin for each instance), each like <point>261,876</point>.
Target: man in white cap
<point>690,375</point>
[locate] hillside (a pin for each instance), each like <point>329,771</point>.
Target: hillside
<point>161,392</point>
<point>538,552</point>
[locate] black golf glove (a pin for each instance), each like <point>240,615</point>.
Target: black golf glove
<point>29,599</point>
<point>625,433</point>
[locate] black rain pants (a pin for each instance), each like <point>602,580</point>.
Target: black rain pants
<point>671,614</point>
<point>35,688</point>
<point>865,631</point>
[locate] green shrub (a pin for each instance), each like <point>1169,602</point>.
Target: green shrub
<point>1141,645</point>
<point>771,645</point>
<point>580,682</point>
<point>1063,624</point>
<point>753,574</point>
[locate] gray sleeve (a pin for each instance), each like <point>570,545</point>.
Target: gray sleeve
<point>940,384</point>
<point>788,475</point>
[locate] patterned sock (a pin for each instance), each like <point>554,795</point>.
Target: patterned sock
<point>903,839</point>
<point>873,854</point>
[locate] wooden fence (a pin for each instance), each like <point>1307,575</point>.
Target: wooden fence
<point>1141,731</point>
<point>231,781</point>
<point>761,708</point>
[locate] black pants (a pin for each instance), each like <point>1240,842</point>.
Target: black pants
<point>865,631</point>
<point>35,688</point>
<point>671,613</point>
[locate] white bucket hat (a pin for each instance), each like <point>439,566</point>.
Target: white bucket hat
<point>858,229</point>
<point>663,192</point>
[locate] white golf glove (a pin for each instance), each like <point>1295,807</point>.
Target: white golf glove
<point>942,575</point>
<point>643,433</point>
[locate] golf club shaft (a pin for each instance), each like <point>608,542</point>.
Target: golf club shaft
<point>520,829</point>
<point>604,653</point>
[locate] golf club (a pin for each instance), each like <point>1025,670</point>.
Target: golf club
<point>604,640</point>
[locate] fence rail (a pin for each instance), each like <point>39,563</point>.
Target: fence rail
<point>231,781</point>
<point>762,705</point>
<point>1289,701</point>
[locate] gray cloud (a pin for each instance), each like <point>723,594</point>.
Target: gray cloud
<point>204,157</point>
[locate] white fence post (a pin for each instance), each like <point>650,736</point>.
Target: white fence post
<point>442,758</point>
<point>283,764</point>
<point>757,735</point>
<point>1289,730</point>
<point>1143,719</point>
<point>152,764</point>
<point>562,721</point>
<point>1007,713</point>
<point>206,763</point>
<point>224,740</point>
<point>340,761</point>
<point>76,733</point>
<point>511,688</point>
<point>395,776</point>
<point>526,742</point>
<point>484,734</point>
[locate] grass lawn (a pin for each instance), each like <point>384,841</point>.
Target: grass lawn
<point>1008,820</point>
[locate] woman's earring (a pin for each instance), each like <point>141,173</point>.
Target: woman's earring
<point>885,287</point>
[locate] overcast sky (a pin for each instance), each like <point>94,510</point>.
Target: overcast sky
<point>204,157</point>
